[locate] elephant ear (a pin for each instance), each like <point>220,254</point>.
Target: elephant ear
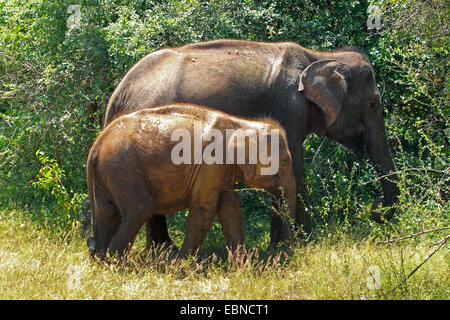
<point>242,151</point>
<point>325,83</point>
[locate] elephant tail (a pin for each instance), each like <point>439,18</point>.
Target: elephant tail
<point>92,160</point>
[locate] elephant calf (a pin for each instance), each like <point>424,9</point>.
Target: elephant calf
<point>162,160</point>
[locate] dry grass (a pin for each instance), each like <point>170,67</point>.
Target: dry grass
<point>35,264</point>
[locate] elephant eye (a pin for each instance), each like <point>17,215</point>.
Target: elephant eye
<point>373,106</point>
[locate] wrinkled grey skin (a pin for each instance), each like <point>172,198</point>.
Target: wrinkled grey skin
<point>332,94</point>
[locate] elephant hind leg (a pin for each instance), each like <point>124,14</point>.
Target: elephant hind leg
<point>106,222</point>
<point>124,238</point>
<point>135,209</point>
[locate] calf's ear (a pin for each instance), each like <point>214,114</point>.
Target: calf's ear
<point>242,152</point>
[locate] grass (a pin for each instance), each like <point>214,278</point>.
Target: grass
<point>38,263</point>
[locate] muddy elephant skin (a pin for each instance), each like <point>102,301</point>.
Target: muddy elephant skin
<point>132,174</point>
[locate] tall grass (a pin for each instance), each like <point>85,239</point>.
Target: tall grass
<point>36,263</point>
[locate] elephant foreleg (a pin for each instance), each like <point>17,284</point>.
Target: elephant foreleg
<point>302,215</point>
<point>199,221</point>
<point>230,217</point>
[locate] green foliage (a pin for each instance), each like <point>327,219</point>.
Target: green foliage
<point>55,84</point>
<point>49,179</point>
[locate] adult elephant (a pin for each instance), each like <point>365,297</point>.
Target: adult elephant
<point>329,93</point>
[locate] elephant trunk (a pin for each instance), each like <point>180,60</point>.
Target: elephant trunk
<point>378,148</point>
